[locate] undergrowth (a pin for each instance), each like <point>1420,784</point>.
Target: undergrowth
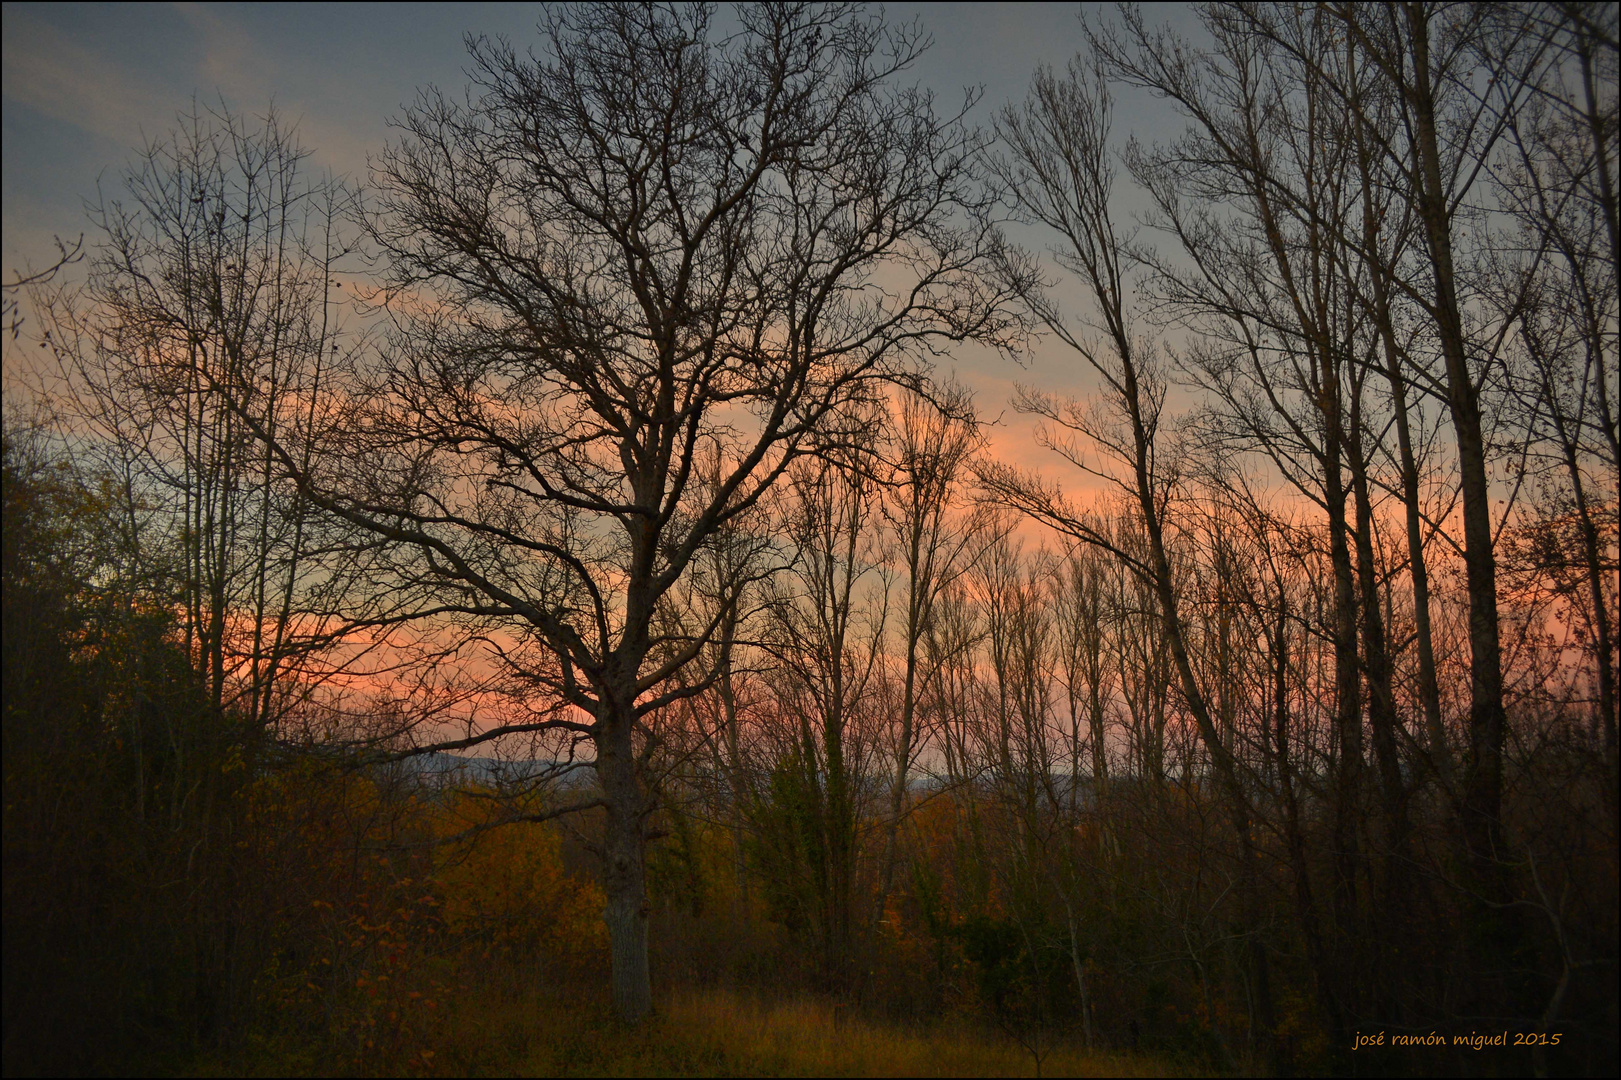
<point>495,1031</point>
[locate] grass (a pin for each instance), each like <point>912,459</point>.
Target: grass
<point>490,1030</point>
<point>716,1033</point>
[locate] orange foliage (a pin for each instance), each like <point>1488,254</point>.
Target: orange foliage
<point>507,889</point>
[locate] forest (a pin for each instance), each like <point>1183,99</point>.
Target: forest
<point>544,606</point>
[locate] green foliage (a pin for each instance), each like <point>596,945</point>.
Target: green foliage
<point>788,844</point>
<point>179,888</point>
<point>1021,969</point>
<point>684,869</point>
<point>119,933</point>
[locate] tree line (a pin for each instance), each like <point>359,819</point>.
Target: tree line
<point>598,441</point>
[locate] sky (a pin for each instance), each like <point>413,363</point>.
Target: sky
<point>86,85</point>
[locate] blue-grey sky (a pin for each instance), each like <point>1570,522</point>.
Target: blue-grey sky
<point>86,84</point>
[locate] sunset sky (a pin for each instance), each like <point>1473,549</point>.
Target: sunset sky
<point>86,84</point>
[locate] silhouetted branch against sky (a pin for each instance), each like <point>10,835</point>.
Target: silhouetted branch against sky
<point>86,86</point>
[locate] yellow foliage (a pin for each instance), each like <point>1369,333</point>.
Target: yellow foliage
<point>507,888</point>
<point>739,1035</point>
<point>717,1033</point>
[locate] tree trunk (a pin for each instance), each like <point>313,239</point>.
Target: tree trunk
<point>1238,804</point>
<point>624,874</point>
<point>1593,563</point>
<point>1395,884</point>
<point>903,744</point>
<point>1305,903</point>
<point>1347,808</point>
<point>1429,686</point>
<point>1382,719</point>
<point>1080,973</point>
<point>1483,786</point>
<point>734,765</point>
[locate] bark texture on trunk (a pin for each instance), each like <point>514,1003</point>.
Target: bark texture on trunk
<point>1483,785</point>
<point>625,870</point>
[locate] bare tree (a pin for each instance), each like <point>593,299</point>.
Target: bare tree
<point>1058,170</point>
<point>646,246</point>
<point>11,316</point>
<point>931,444</point>
<point>829,623</point>
<point>218,266</point>
<point>1459,83</point>
<point>1260,194</point>
<point>1560,186</point>
<point>1088,678</point>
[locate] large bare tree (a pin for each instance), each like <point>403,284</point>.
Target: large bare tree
<point>634,276</point>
